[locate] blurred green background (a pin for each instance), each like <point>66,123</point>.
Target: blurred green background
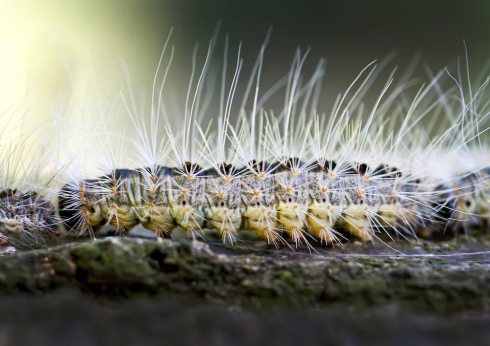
<point>95,36</point>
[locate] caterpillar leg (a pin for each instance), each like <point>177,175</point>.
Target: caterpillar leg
<point>226,221</point>
<point>389,214</point>
<point>356,223</point>
<point>264,222</point>
<point>159,220</point>
<point>161,229</point>
<point>321,220</point>
<point>258,195</point>
<point>292,218</point>
<point>121,217</point>
<point>189,218</point>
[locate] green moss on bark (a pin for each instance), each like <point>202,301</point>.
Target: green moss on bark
<point>131,266</point>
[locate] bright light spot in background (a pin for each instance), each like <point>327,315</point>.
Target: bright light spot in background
<point>93,36</point>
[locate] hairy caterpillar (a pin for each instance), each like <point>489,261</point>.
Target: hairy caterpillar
<point>299,173</point>
<point>27,211</point>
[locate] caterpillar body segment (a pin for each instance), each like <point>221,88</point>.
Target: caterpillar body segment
<point>402,208</point>
<point>116,203</point>
<point>186,196</point>
<point>460,203</point>
<point>389,190</point>
<point>259,200</point>
<point>78,208</point>
<point>293,198</point>
<point>152,205</point>
<point>224,203</point>
<point>327,202</point>
<point>362,202</point>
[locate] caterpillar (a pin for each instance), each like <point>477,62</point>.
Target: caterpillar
<point>27,209</point>
<point>297,175</point>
